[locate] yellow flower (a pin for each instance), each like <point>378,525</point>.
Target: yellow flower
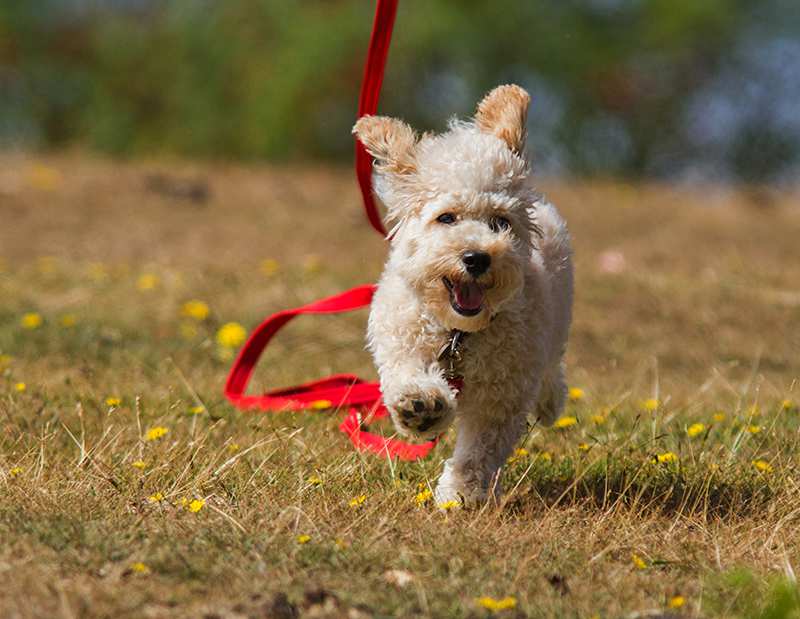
<point>598,419</point>
<point>98,272</point>
<point>763,466</point>
<point>113,401</point>
<point>44,177</point>
<point>155,433</point>
<point>269,267</point>
<point>754,429</point>
<point>68,320</point>
<point>448,505</point>
<point>638,562</point>
<point>576,394</point>
<point>20,387</point>
<point>494,605</point>
<point>695,429</point>
<point>17,470</point>
<point>197,410</point>
<point>314,480</point>
<point>139,568</point>
<point>196,505</point>
<point>667,457</point>
<point>303,539</point>
<point>198,310</point>
<point>188,330</point>
<point>650,405</point>
<point>787,405</point>
<point>233,447</point>
<point>676,601</point>
<point>565,422</point>
<point>357,501</point>
<point>312,264</point>
<point>155,498</point>
<point>544,455</point>
<point>318,405</point>
<point>182,502</point>
<point>5,361</point>
<point>139,464</point>
<point>31,321</point>
<point>754,411</point>
<point>231,335</point>
<point>519,454</point>
<point>719,417</point>
<point>583,446</point>
<point>423,497</point>
<point>147,281</point>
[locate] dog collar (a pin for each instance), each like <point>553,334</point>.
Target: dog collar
<point>450,355</point>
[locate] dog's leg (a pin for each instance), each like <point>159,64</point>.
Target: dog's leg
<point>552,396</point>
<point>472,474</point>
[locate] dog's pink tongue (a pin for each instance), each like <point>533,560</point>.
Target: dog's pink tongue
<point>469,295</point>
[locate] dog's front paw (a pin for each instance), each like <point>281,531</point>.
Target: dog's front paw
<point>422,410</point>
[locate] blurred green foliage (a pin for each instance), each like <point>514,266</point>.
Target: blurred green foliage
<point>619,86</point>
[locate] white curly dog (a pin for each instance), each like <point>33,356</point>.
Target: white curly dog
<point>470,320</point>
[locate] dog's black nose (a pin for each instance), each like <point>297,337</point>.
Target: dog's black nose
<point>477,262</point>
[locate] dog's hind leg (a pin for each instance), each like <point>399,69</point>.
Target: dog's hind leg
<point>552,396</point>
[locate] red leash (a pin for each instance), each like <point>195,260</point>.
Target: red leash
<point>362,399</point>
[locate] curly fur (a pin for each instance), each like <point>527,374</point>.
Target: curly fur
<point>513,358</point>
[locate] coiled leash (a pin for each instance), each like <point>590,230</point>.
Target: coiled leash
<point>361,399</point>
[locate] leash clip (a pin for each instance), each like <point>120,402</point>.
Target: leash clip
<point>452,353</point>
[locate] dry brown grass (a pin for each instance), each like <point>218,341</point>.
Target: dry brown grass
<point>704,316</point>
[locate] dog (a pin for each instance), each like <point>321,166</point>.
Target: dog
<point>470,320</point>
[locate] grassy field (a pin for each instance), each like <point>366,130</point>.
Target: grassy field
<point>130,488</point>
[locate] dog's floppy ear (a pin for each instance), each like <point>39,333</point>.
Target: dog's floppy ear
<point>390,141</point>
<point>502,113</point>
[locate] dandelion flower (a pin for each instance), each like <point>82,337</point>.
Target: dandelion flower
<point>314,480</point>
<point>139,568</point>
<point>719,417</point>
<point>598,420</point>
<point>576,394</point>
<point>519,454</point>
<point>695,429</point>
<point>147,281</point>
<point>20,387</point>
<point>139,464</point>
<point>31,321</point>
<point>68,320</point>
<point>155,433</point>
<point>269,267</point>
<point>196,505</point>
<point>787,405</point>
<point>113,401</point>
<point>318,405</point>
<point>303,539</point>
<point>565,422</point>
<point>155,498</point>
<point>448,505</point>
<point>423,497</point>
<point>754,429</point>
<point>650,405</point>
<point>231,335</point>
<point>544,455</point>
<point>197,310</point>
<point>182,502</point>
<point>676,601</point>
<point>233,448</point>
<point>667,457</point>
<point>638,562</point>
<point>763,466</point>
<point>583,446</point>
<point>197,410</point>
<point>490,603</point>
<point>17,470</point>
<point>357,501</point>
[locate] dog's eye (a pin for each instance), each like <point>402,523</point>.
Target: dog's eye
<point>446,218</point>
<point>499,223</point>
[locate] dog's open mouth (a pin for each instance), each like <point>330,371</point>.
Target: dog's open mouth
<point>466,297</point>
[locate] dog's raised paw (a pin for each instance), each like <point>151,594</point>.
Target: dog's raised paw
<point>422,413</point>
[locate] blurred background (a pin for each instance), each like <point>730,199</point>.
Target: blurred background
<point>680,90</point>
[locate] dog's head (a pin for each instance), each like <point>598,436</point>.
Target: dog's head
<point>461,216</point>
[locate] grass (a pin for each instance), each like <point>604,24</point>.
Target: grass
<point>687,312</point>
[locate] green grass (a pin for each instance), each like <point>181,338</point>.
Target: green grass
<point>704,317</point>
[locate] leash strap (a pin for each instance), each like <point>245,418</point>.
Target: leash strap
<point>361,399</point>
<point>374,69</point>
